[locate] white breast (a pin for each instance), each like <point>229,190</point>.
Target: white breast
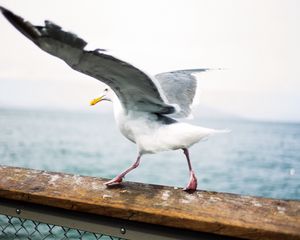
<point>153,136</point>
<point>172,137</point>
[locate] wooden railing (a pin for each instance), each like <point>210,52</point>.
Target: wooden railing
<point>149,210</point>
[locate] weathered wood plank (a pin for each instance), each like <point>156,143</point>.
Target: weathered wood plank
<point>220,213</point>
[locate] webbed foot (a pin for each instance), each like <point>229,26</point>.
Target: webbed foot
<point>192,185</point>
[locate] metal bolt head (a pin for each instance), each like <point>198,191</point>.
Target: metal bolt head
<point>18,211</point>
<point>123,230</point>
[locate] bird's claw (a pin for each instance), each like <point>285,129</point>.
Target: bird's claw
<point>115,181</point>
<point>192,185</point>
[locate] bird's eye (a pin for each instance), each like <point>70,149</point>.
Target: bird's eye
<point>106,89</point>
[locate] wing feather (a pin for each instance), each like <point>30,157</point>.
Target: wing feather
<point>134,88</point>
<point>179,87</point>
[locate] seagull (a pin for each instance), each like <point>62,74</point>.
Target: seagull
<point>147,108</point>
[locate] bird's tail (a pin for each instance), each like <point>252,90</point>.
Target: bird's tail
<point>217,131</point>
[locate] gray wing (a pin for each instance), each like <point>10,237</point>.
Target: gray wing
<point>134,88</point>
<point>179,88</point>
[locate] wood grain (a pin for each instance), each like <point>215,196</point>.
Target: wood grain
<point>220,213</point>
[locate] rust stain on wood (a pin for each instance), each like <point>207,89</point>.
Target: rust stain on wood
<point>220,213</point>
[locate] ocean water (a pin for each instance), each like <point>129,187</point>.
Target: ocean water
<point>256,158</point>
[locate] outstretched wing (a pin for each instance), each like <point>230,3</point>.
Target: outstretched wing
<point>179,87</point>
<point>134,88</point>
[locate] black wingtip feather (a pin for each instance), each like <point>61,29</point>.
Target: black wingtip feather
<point>24,27</point>
<point>49,30</point>
<point>55,31</point>
<point>3,9</point>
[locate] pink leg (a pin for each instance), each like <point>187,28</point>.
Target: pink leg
<point>192,185</point>
<point>118,179</point>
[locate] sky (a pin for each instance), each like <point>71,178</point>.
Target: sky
<point>256,43</point>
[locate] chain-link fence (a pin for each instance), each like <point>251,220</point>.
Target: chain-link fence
<point>30,221</point>
<point>24,229</point>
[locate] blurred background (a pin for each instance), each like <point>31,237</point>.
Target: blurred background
<point>46,121</point>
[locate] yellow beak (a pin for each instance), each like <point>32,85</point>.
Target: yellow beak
<point>96,100</point>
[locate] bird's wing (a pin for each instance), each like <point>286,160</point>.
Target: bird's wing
<point>136,90</point>
<point>179,88</point>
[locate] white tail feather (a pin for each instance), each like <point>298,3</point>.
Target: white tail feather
<point>226,130</point>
